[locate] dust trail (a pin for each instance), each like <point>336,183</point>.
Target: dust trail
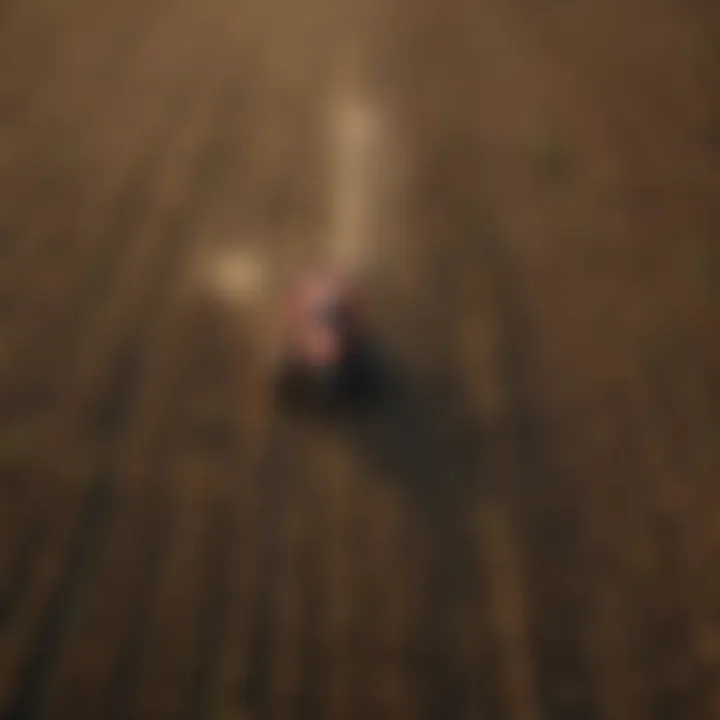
<point>236,273</point>
<point>358,174</point>
<point>358,155</point>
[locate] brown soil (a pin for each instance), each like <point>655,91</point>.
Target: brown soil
<point>528,529</point>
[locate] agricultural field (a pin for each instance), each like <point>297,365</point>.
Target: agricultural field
<point>528,528</point>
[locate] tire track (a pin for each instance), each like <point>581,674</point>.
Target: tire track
<point>280,204</point>
<point>467,447</point>
<point>446,587</point>
<point>41,302</point>
<point>521,452</point>
<point>217,130</point>
<point>391,606</point>
<point>311,595</point>
<point>507,591</point>
<point>162,663</point>
<point>364,631</point>
<point>140,271</point>
<point>158,663</point>
<point>339,488</point>
<point>26,525</point>
<point>79,681</point>
<point>494,644</point>
<point>271,683</point>
<point>232,543</point>
<point>622,558</point>
<point>677,618</point>
<point>549,525</point>
<point>656,618</point>
<point>445,487</point>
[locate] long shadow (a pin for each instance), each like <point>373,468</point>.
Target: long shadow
<point>423,435</point>
<point>421,430</point>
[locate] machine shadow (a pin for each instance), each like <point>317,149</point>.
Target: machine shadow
<point>421,435</point>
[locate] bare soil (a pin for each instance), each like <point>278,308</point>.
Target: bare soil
<point>528,528</point>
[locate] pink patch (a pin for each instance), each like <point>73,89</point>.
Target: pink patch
<point>321,347</point>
